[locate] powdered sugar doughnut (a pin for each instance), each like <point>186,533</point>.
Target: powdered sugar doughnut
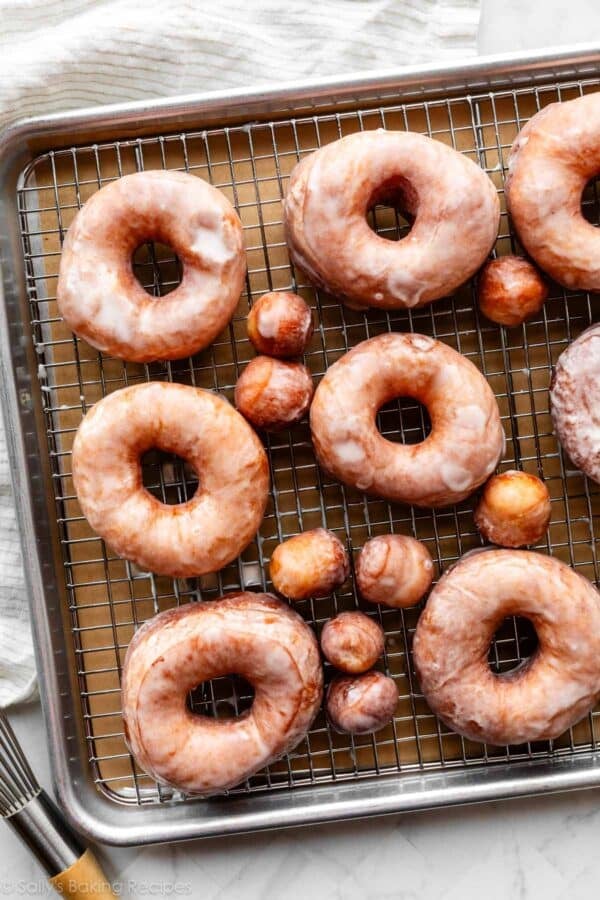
<point>252,635</point>
<point>551,161</point>
<point>466,439</point>
<point>544,696</point>
<point>99,296</point>
<point>454,204</point>
<point>575,401</point>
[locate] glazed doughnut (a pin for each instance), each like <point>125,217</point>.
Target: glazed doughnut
<point>252,635</point>
<point>542,697</point>
<point>514,509</point>
<point>575,401</point>
<point>273,394</point>
<point>361,704</point>
<point>98,294</point>
<point>280,324</point>
<point>186,539</point>
<point>394,570</point>
<point>550,163</point>
<point>466,439</point>
<point>310,564</point>
<point>510,290</point>
<point>352,642</point>
<point>454,204</point>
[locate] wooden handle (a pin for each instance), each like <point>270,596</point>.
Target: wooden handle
<point>84,880</point>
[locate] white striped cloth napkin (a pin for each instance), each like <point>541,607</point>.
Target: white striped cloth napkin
<point>59,54</point>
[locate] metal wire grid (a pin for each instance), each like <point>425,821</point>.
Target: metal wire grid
<point>109,598</point>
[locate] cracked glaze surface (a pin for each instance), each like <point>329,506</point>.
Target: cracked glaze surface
<point>352,642</point>
<point>454,203</point>
<point>541,698</point>
<point>466,439</point>
<point>551,161</point>
<point>394,569</point>
<point>185,539</point>
<point>312,563</point>
<point>575,401</point>
<point>361,704</point>
<point>98,294</point>
<point>273,394</point>
<point>252,635</point>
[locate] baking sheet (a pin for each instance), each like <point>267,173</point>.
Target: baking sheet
<point>109,598</point>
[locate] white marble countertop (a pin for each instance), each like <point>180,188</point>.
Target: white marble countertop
<point>529,849</point>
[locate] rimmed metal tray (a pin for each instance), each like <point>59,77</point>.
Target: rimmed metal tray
<point>86,603</point>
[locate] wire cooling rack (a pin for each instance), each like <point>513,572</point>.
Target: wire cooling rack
<point>109,597</point>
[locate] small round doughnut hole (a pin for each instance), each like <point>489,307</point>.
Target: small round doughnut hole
<point>510,290</point>
<point>273,394</point>
<point>352,642</point>
<point>310,564</point>
<point>361,704</point>
<point>514,509</point>
<point>394,570</point>
<point>280,324</point>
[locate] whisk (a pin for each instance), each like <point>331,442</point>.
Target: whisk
<point>73,870</point>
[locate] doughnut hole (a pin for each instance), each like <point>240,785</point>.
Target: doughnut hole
<point>514,509</point>
<point>392,209</point>
<point>352,642</point>
<point>404,421</point>
<point>361,704</point>
<point>273,394</point>
<point>280,324</point>
<point>168,477</point>
<point>510,290</point>
<point>394,570</point>
<point>222,698</point>
<point>157,268</point>
<point>590,202</point>
<point>514,642</point>
<point>311,564</point>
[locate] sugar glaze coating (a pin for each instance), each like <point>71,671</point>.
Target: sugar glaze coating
<point>543,697</point>
<point>394,570</point>
<point>361,704</point>
<point>252,635</point>
<point>551,160</point>
<point>575,401</point>
<point>514,509</point>
<point>313,563</point>
<point>454,204</point>
<point>510,290</point>
<point>280,324</point>
<point>352,642</point>
<point>273,394</point>
<point>99,296</point>
<point>466,439</point>
<point>186,539</point>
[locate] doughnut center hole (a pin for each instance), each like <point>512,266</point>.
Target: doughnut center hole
<point>590,201</point>
<point>221,698</point>
<point>157,268</point>
<point>392,209</point>
<point>404,421</point>
<point>514,642</point>
<point>168,477</point>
